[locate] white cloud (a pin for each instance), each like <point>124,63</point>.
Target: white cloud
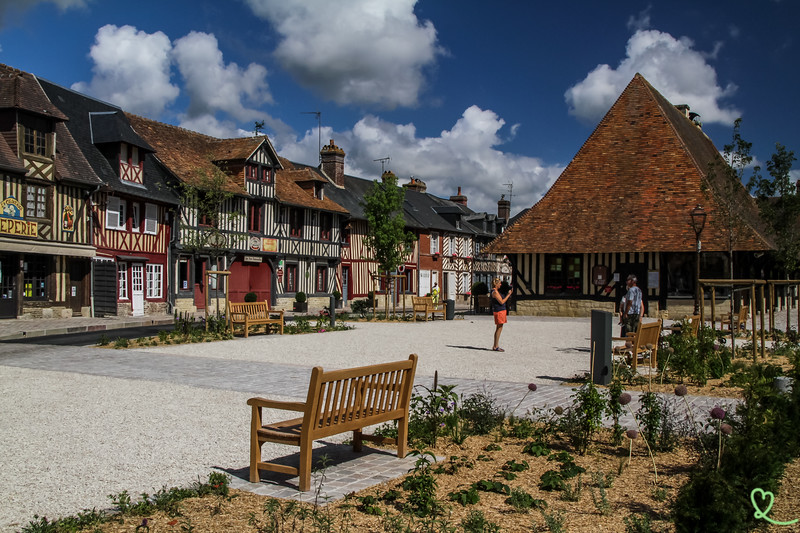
<point>131,69</point>
<point>18,6</point>
<point>640,21</point>
<point>363,52</point>
<point>214,86</point>
<point>671,65</point>
<point>466,156</point>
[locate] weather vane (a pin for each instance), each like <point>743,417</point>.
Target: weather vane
<point>319,130</point>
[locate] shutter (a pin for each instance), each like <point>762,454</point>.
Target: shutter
<point>112,212</point>
<point>150,218</point>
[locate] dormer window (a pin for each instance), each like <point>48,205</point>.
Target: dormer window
<point>319,191</point>
<point>37,137</point>
<point>130,163</point>
<point>258,173</point>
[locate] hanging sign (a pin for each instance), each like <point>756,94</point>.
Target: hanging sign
<point>269,245</point>
<point>68,218</point>
<point>12,220</point>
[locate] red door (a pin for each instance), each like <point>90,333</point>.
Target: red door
<point>200,283</point>
<point>250,277</point>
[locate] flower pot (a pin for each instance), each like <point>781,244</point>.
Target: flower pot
<point>300,307</point>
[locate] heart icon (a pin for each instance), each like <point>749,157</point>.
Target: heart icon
<point>763,495</point>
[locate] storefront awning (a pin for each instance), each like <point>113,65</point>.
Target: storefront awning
<point>46,247</point>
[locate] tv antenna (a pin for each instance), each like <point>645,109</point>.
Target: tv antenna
<point>319,130</point>
<point>383,161</point>
<point>510,187</point>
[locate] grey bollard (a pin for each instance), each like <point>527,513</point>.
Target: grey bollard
<point>600,349</point>
<point>333,312</point>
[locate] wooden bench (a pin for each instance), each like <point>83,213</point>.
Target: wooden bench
<point>338,401</point>
<point>425,305</point>
<point>254,314</point>
<point>641,345</point>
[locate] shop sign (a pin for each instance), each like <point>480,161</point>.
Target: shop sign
<point>255,244</point>
<point>12,219</point>
<point>252,259</point>
<point>68,218</point>
<point>269,245</point>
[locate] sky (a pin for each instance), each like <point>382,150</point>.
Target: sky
<point>493,97</point>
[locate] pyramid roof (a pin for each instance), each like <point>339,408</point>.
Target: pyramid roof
<point>631,187</point>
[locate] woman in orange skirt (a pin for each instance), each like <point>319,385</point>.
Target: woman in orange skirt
<point>499,311</point>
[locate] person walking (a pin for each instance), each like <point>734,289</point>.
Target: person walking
<point>633,305</point>
<point>499,311</point>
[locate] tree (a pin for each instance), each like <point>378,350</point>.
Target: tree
<point>726,175</point>
<point>386,236</point>
<point>779,205</point>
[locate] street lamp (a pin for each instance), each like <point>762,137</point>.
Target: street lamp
<point>698,218</point>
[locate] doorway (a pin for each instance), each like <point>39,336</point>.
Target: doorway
<point>137,289</point>
<point>77,286</point>
<point>9,268</point>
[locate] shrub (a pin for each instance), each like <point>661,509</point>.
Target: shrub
<point>480,413</point>
<point>250,297</point>
<point>480,288</point>
<point>300,297</point>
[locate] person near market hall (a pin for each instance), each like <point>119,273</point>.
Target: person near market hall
<point>500,295</point>
<point>633,305</point>
<point>435,293</point>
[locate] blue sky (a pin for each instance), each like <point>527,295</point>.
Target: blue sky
<point>457,93</point>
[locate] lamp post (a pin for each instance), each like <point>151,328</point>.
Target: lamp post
<point>698,218</point>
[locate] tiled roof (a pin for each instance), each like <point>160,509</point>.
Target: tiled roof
<point>93,123</point>
<point>631,186</point>
<point>289,192</point>
<point>21,90</point>
<point>8,159</point>
<point>188,154</point>
<point>71,164</point>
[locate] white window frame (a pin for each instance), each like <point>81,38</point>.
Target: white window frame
<point>155,280</point>
<point>434,243</point>
<point>136,216</point>
<point>151,219</point>
<point>122,285</point>
<point>116,216</point>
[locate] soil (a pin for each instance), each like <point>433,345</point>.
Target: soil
<point>633,490</point>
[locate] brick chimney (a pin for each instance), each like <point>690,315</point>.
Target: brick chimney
<point>416,185</point>
<point>503,208</point>
<point>459,198</point>
<point>332,158</point>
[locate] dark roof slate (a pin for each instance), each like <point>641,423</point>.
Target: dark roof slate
<point>83,112</point>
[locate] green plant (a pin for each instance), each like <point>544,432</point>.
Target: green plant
<point>369,505</point>
<point>600,500</point>
<point>552,480</point>
<point>536,448</point>
<point>638,523</point>
<point>586,416</point>
<point>421,486</point>
<point>476,522</point>
<point>121,342</point>
<point>479,288</point>
<point>300,297</point>
<point>486,485</point>
<point>465,497</point>
<point>336,295</point>
<point>480,413</point>
<point>554,522</point>
<point>522,501</point>
<point>433,414</point>
<point>614,410</point>
<point>572,493</point>
<point>251,297</point>
<point>103,340</point>
<point>163,335</point>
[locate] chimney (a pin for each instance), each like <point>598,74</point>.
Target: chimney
<point>459,198</point>
<point>388,174</point>
<point>503,208</point>
<point>683,108</point>
<point>332,158</point>
<point>415,184</point>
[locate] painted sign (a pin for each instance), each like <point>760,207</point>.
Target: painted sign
<point>68,218</point>
<point>269,245</point>
<point>252,259</point>
<point>255,243</point>
<point>12,219</point>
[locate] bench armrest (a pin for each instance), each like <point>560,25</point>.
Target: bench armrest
<point>236,315</point>
<point>277,404</point>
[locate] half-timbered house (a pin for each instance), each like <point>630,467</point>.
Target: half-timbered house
<point>623,206</point>
<point>45,214</point>
<point>273,231</point>
<point>446,251</point>
<point>132,211</point>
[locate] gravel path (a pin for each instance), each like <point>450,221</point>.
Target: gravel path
<point>77,424</point>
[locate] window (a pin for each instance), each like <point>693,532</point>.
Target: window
<point>122,274</point>
<point>266,174</point>
<point>345,234</point>
<point>325,226</point>
<point>36,201</point>
<point>36,272</point>
<point>254,217</point>
<point>322,279</point>
<point>452,248</point>
<point>135,217</point>
<point>151,218</point>
<point>564,274</point>
<point>291,278</point>
<point>296,222</point>
<point>155,280</point>
<point>434,243</point>
<point>116,218</point>
<point>35,136</point>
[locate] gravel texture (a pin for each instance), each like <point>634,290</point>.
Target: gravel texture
<point>67,440</point>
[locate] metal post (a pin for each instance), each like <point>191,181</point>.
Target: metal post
<point>333,311</point>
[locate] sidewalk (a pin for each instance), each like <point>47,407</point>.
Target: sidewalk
<point>23,328</point>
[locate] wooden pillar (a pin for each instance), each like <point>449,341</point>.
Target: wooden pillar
<point>763,311</point>
<point>701,302</point>
<point>753,310</point>
<point>713,306</point>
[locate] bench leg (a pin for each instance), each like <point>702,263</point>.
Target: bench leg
<point>402,437</point>
<point>357,442</point>
<point>255,458</point>
<point>304,471</point>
